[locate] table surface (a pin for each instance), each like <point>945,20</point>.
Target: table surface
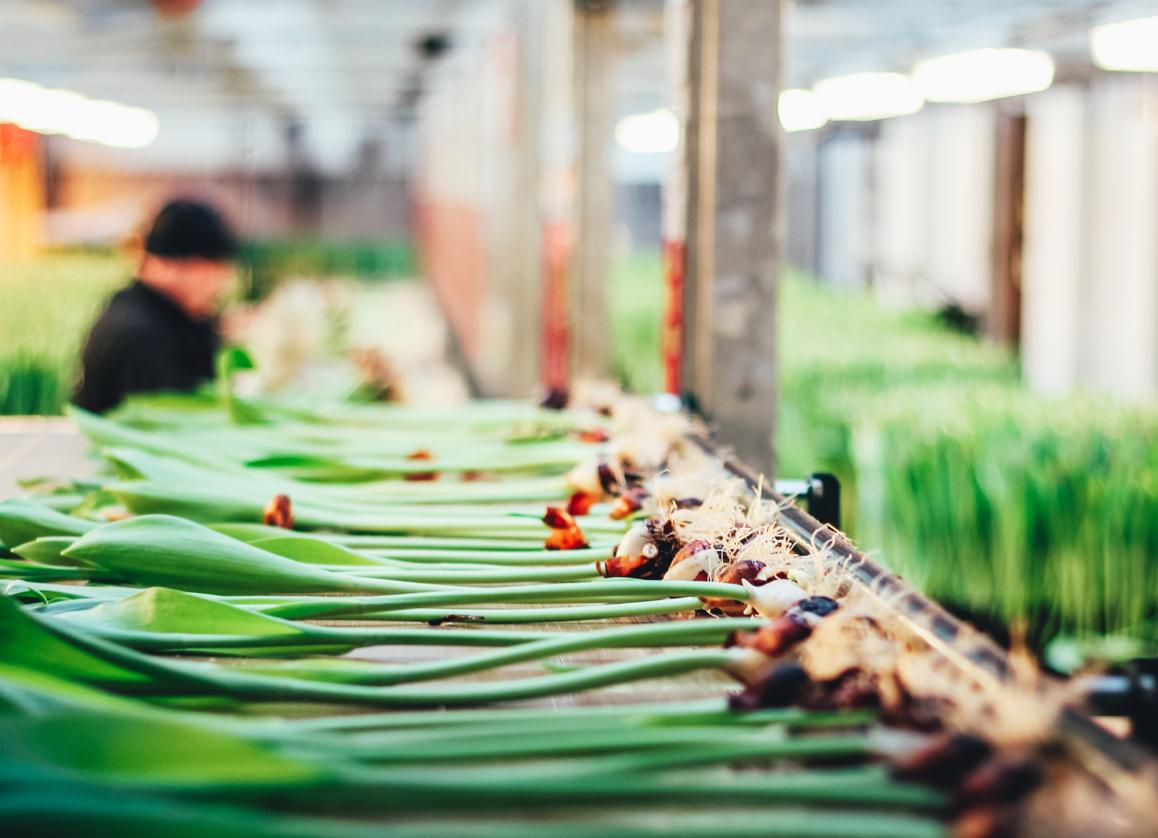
<point>52,448</point>
<point>33,447</point>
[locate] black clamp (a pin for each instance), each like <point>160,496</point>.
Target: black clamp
<point>821,495</point>
<point>1132,693</point>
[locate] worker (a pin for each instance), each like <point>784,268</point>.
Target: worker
<point>160,333</point>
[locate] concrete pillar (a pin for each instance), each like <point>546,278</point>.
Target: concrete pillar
<point>514,312</point>
<point>1003,320</point>
<point>734,229</point>
<point>594,67</point>
<point>558,151</point>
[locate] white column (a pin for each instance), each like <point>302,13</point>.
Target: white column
<point>901,209</point>
<point>734,230</point>
<point>845,164</point>
<point>960,206</point>
<point>1119,306</point>
<point>1054,231</point>
<point>1090,304</point>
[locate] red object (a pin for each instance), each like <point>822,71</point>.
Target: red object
<point>558,519</point>
<point>628,503</point>
<point>593,435</point>
<point>672,333</point>
<point>571,538</point>
<point>565,533</point>
<point>279,513</point>
<point>580,503</point>
<point>16,143</point>
<point>556,337</point>
<point>421,476</point>
<point>175,8</point>
<point>773,638</point>
<point>641,567</point>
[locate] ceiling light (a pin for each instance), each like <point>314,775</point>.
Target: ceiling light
<point>17,99</point>
<point>983,74</point>
<point>122,126</point>
<point>800,110</point>
<point>1128,46</point>
<point>655,132</point>
<point>867,96</point>
<point>49,111</point>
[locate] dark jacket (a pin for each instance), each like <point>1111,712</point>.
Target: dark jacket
<point>142,342</point>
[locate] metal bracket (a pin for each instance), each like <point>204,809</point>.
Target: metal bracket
<point>1132,694</point>
<point>972,652</point>
<point>821,493</point>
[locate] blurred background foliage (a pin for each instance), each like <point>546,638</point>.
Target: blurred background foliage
<point>50,301</point>
<point>270,261</point>
<point>1003,504</point>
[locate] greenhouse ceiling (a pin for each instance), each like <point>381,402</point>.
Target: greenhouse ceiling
<point>335,66</point>
<point>369,53</point>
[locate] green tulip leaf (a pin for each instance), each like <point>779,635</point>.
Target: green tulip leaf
<point>22,521</point>
<point>169,611</point>
<point>48,550</point>
<point>152,750</point>
<point>169,552</point>
<point>28,643</point>
<point>303,548</point>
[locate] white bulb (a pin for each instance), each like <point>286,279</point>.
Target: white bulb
<point>584,477</point>
<point>689,568</point>
<point>774,598</point>
<point>633,541</point>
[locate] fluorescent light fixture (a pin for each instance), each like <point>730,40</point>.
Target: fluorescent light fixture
<point>655,132</point>
<point>49,111</point>
<point>868,96</point>
<point>983,74</point>
<point>117,125</point>
<point>17,99</point>
<point>800,110</point>
<point>1128,46</point>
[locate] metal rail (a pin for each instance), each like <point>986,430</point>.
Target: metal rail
<point>972,652</point>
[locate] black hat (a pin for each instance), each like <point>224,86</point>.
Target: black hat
<point>186,229</point>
